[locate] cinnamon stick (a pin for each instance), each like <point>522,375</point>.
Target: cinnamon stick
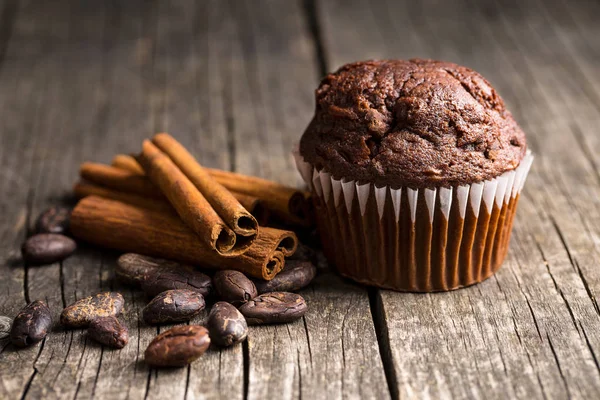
<point>118,179</point>
<point>190,204</point>
<point>129,228</point>
<point>128,163</point>
<point>223,202</point>
<point>84,189</point>
<point>255,206</point>
<point>288,204</point>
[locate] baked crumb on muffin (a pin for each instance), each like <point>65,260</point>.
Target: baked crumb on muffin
<point>417,123</point>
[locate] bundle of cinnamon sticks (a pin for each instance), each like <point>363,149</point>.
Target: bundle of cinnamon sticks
<point>162,202</point>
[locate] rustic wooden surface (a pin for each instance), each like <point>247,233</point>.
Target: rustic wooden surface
<point>233,80</point>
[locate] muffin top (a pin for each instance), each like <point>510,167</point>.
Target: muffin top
<point>416,123</point>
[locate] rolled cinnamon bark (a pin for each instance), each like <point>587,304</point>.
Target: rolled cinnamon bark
<point>193,208</point>
<point>125,227</point>
<point>128,163</point>
<point>84,189</point>
<point>255,206</point>
<point>287,204</point>
<point>222,201</point>
<point>287,242</point>
<point>118,179</point>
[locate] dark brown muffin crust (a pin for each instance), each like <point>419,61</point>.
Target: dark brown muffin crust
<point>416,123</point>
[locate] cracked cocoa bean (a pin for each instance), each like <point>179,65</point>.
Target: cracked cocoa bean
<point>295,275</point>
<point>274,308</point>
<point>31,324</point>
<point>46,248</point>
<point>83,312</point>
<point>109,332</point>
<point>54,220</point>
<point>234,287</point>
<point>132,268</point>
<point>5,325</point>
<point>173,306</point>
<point>157,275</point>
<point>178,346</point>
<point>179,279</point>
<point>227,326</point>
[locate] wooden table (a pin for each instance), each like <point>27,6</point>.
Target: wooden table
<point>234,80</point>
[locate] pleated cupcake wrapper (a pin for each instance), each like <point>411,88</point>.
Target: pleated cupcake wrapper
<point>415,239</point>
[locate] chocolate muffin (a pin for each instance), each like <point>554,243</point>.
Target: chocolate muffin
<point>417,168</point>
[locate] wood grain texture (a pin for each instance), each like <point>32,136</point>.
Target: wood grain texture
<point>21,150</point>
<point>528,331</point>
<point>183,66</point>
<point>270,61</point>
<point>233,81</point>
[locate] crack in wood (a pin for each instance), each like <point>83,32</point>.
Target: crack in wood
<point>535,322</point>
<point>589,345</point>
<point>560,371</point>
<point>307,339</point>
<point>343,331</point>
<point>537,375</point>
<point>532,313</point>
<point>98,371</point>
<point>35,371</point>
<point>64,363</point>
<point>520,339</point>
<point>187,382</point>
<point>147,392</point>
<point>383,341</point>
<point>299,374</point>
<point>7,18</point>
<point>82,353</point>
<point>28,384</point>
<point>563,241</point>
<point>311,17</point>
<point>587,288</point>
<point>62,284</point>
<point>558,290</point>
<point>77,390</point>
<point>502,356</point>
<point>516,329</point>
<point>29,210</point>
<point>246,358</point>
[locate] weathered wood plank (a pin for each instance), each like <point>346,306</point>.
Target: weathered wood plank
<point>24,86</point>
<point>171,97</point>
<point>271,62</point>
<point>190,104</point>
<point>124,120</point>
<point>67,365</point>
<point>333,352</point>
<point>93,370</point>
<point>527,331</point>
<point>85,81</point>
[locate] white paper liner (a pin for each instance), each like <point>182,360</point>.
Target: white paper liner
<point>418,250</point>
<point>499,189</point>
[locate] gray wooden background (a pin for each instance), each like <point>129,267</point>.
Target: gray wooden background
<point>234,81</point>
